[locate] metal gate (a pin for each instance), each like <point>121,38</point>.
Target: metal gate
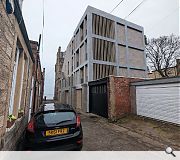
<point>98,103</point>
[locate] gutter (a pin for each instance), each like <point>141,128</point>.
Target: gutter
<point>20,20</point>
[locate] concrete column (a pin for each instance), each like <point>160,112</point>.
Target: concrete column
<point>146,69</point>
<point>127,50</point>
<point>90,53</point>
<point>117,51</point>
<point>89,46</point>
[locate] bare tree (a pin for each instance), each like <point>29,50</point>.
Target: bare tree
<point>162,52</point>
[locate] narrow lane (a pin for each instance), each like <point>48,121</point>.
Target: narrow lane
<point>99,135</point>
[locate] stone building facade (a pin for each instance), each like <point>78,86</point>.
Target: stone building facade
<point>102,45</point>
<point>58,74</point>
<point>172,71</point>
<point>16,71</point>
<point>38,78</point>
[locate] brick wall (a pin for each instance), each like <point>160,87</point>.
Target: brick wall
<point>119,97</point>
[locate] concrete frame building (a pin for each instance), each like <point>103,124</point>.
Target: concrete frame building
<point>102,45</point>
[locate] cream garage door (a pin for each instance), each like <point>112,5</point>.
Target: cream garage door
<point>160,101</point>
<point>79,98</point>
<point>67,97</point>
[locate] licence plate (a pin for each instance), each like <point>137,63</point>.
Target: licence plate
<point>56,132</point>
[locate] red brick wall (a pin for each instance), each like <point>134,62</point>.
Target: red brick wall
<point>119,96</point>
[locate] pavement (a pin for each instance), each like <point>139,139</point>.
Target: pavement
<point>163,132</point>
<point>100,135</point>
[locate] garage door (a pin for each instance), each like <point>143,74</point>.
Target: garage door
<point>98,99</point>
<point>79,98</point>
<point>67,97</point>
<point>160,101</point>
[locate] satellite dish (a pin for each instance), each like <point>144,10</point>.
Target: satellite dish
<point>10,6</point>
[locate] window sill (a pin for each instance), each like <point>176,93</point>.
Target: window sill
<point>12,127</point>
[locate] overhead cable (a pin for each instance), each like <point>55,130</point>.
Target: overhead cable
<point>135,9</point>
<point>116,6</point>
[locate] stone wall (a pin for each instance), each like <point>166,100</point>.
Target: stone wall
<point>14,135</point>
<point>10,37</point>
<point>7,48</point>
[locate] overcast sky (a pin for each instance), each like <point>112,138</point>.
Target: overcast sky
<point>158,17</point>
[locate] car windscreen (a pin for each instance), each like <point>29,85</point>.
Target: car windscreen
<point>55,118</point>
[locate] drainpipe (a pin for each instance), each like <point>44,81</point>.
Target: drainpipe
<point>36,74</point>
<point>35,80</point>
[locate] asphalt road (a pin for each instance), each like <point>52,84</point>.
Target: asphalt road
<point>100,135</point>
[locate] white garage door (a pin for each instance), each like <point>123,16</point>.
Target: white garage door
<point>160,102</point>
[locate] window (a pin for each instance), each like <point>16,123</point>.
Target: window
<point>69,81</point>
<point>21,80</point>
<point>68,68</point>
<point>77,58</point>
<point>50,118</point>
<point>82,31</point>
<point>72,65</point>
<point>86,55</point>
<point>14,80</point>
<point>82,75</point>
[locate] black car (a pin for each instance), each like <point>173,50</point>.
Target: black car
<point>54,127</point>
